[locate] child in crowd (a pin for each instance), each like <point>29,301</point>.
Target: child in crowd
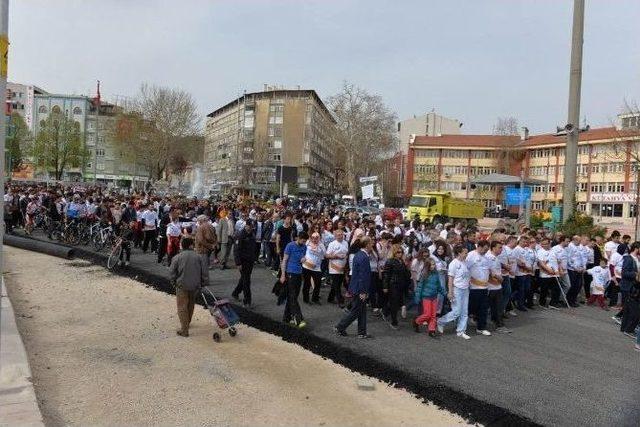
<point>427,291</point>
<point>601,277</point>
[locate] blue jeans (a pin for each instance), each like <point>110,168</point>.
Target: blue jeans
<point>506,294</point>
<point>459,310</point>
<point>443,281</point>
<point>524,284</point>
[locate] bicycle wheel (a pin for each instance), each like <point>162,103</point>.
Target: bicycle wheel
<point>98,243</point>
<point>72,236</point>
<point>114,257</point>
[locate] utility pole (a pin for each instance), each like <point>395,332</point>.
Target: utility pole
<point>573,118</point>
<point>4,51</point>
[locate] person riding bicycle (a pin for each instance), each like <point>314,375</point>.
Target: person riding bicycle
<point>126,234</point>
<point>32,210</point>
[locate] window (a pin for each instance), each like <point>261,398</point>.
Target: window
<point>615,167</point>
<point>277,120</point>
<point>583,150</point>
<point>536,206</point>
<point>42,123</point>
<point>582,186</point>
<point>42,109</point>
<point>77,111</point>
<point>89,165</point>
<point>277,143</point>
<point>607,209</point>
<point>100,166</point>
<point>581,207</point>
<point>615,187</point>
<point>99,152</point>
<point>427,153</point>
<point>55,109</point>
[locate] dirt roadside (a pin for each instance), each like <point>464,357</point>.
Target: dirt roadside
<point>103,351</point>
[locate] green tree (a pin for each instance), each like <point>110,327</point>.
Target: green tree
<point>58,145</point>
<point>18,138</point>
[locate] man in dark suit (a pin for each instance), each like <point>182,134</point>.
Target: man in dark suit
<point>359,287</point>
<point>630,309</point>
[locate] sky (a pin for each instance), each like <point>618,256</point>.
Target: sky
<point>473,60</point>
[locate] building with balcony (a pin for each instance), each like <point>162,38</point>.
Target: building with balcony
<point>607,170</point>
<point>254,140</point>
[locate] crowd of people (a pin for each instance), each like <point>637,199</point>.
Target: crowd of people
<point>388,268</point>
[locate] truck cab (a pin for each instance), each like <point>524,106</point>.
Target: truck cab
<point>426,207</point>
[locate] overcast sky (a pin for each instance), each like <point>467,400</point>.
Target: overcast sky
<point>473,60</point>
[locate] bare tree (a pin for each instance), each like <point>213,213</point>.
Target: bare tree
<point>508,152</point>
<point>158,125</point>
<point>365,130</point>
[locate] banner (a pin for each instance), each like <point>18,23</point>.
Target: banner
<point>367,192</point>
<point>365,179</point>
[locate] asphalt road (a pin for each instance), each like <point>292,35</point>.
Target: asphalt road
<point>556,368</point>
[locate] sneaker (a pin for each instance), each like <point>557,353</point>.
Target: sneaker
<point>126,263</point>
<point>503,330</point>
<point>365,336</point>
<point>513,313</point>
<point>433,334</point>
<point>383,316</point>
<point>182,334</point>
<point>394,327</point>
<point>339,332</point>
<point>403,312</point>
<point>617,320</point>
<point>483,332</point>
<point>463,335</point>
<point>302,325</point>
<point>292,322</point>
<point>416,327</point>
<point>440,328</point>
<point>630,335</point>
<point>636,347</point>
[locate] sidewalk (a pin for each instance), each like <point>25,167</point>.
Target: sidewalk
<point>18,403</point>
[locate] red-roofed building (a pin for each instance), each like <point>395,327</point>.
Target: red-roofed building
<point>607,176</point>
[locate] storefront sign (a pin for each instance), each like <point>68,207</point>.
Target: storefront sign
<point>612,197</point>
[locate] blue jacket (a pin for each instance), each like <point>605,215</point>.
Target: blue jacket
<point>428,288</point>
<point>361,274</point>
<point>629,272</point>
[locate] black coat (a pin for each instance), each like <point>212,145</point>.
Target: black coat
<point>245,249</point>
<point>396,275</point>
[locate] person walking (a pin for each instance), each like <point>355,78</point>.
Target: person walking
<point>292,259</point>
<point>311,269</point>
<point>188,273</point>
<point>458,293</point>
<point>337,256</point>
<point>359,287</point>
<point>245,257</point>
<point>630,288</point>
<point>426,293</point>
<point>480,272</point>
<point>174,233</point>
<point>206,240</point>
<point>395,279</point>
<point>225,237</point>
<point>149,224</point>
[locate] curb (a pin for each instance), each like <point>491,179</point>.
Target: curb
<point>18,402</point>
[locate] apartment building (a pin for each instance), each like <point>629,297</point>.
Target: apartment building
<point>256,140</point>
<point>105,163</point>
<point>607,169</point>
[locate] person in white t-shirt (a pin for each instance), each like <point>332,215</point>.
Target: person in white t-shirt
<point>548,264</point>
<point>458,293</point>
<point>480,271</point>
<point>612,245</point>
<point>601,278</point>
<point>495,284</point>
<point>149,218</point>
<point>337,252</point>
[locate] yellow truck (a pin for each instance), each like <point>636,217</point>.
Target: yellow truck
<point>440,207</point>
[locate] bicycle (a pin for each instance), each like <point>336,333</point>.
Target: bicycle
<point>116,253</point>
<point>102,238</point>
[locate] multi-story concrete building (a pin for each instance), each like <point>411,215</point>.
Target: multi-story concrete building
<point>253,141</point>
<point>20,99</point>
<point>105,163</point>
<point>608,160</point>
